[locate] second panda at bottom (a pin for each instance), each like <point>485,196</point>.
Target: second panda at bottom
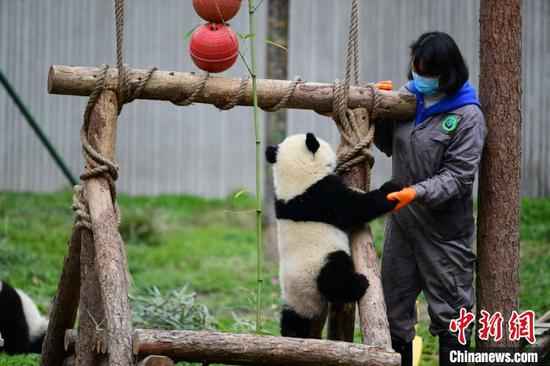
<point>315,211</point>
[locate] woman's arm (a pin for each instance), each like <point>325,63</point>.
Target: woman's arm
<point>460,162</point>
<point>383,131</point>
<point>383,135</point>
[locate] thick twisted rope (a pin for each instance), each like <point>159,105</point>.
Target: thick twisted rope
<point>353,45</point>
<point>196,91</point>
<point>361,144</point>
<point>288,94</point>
<point>236,96</point>
<point>96,164</point>
<point>82,217</point>
<point>125,91</point>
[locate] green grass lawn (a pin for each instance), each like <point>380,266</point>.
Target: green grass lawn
<point>209,245</point>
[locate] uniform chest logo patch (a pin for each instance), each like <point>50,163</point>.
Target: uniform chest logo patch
<point>450,123</point>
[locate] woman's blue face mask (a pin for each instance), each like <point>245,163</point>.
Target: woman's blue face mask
<point>427,86</point>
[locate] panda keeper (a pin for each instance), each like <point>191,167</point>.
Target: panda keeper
<point>429,235</point>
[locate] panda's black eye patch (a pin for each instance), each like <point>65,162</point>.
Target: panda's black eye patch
<point>312,143</point>
<point>271,154</point>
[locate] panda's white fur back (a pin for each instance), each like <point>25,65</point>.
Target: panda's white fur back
<point>35,321</point>
<point>303,249</point>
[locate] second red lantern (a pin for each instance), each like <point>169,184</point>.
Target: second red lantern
<point>214,47</point>
<point>218,11</point>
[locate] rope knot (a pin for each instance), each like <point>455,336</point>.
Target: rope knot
<point>356,145</point>
<point>80,207</point>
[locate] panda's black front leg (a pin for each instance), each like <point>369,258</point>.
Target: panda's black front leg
<point>294,324</point>
<point>365,207</point>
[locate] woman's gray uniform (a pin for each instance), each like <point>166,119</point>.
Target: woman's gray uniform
<point>428,243</point>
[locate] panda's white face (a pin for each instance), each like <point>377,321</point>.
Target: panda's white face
<point>298,162</point>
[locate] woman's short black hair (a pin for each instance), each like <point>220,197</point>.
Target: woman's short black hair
<point>436,54</point>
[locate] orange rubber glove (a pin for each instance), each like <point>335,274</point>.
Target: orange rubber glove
<point>385,85</point>
<point>404,196</point>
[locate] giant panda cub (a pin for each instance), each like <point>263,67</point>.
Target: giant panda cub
<point>21,325</point>
<point>315,210</point>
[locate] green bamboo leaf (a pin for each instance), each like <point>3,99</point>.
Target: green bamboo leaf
<point>248,35</point>
<point>189,32</point>
<point>239,193</point>
<point>276,44</point>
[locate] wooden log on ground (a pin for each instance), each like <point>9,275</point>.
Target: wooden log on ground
<point>170,85</point>
<point>542,343</point>
<point>65,305</point>
<point>109,258</point>
<point>156,361</point>
<point>247,349</point>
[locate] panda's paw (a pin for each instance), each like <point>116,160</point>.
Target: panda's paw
<point>361,285</point>
<point>390,187</point>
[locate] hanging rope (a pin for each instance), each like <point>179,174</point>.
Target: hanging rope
<point>356,144</point>
<point>96,164</point>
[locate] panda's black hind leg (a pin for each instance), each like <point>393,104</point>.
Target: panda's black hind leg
<point>338,282</point>
<point>295,325</point>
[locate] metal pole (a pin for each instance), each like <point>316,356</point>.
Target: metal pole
<point>36,128</point>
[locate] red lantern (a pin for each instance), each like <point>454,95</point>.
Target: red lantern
<point>218,11</point>
<point>214,47</point>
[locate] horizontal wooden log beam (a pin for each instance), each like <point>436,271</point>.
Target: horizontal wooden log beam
<point>171,85</point>
<point>247,349</point>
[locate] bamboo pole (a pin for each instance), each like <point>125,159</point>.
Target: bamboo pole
<point>170,85</point>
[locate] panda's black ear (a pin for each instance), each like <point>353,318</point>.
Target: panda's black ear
<point>312,143</point>
<point>271,154</point>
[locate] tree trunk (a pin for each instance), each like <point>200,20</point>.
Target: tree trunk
<point>275,132</point>
<point>499,176</point>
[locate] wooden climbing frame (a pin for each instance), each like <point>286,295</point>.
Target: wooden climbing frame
<point>94,279</point>
<point>94,269</point>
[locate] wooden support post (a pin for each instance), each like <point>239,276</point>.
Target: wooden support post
<point>91,309</point>
<point>65,305</point>
<point>109,258</point>
<point>246,349</point>
<point>169,85</point>
<point>372,308</point>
